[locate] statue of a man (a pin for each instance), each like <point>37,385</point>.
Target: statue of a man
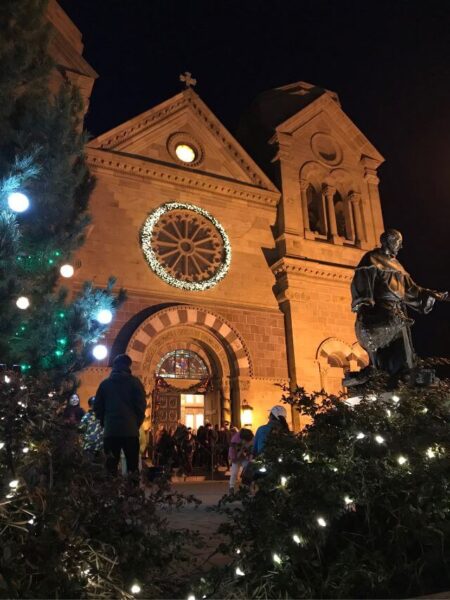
<point>381,292</point>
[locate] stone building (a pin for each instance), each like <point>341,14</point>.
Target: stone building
<point>236,251</point>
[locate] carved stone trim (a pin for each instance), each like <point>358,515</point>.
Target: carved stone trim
<point>99,159</point>
<point>283,267</point>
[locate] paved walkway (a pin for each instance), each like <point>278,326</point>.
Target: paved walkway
<point>201,518</point>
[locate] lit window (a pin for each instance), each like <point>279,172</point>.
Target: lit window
<point>182,364</point>
<point>185,153</point>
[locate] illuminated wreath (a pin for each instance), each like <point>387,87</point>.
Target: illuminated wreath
<point>186,246</point>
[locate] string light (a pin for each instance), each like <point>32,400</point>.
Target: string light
<point>2,445</point>
<point>360,435</point>
<point>298,539</point>
<point>425,410</point>
<point>100,351</point>
<point>276,558</point>
<point>280,459</point>
<point>402,460</point>
<point>283,481</point>
<point>104,316</point>
<point>263,470</point>
<point>430,453</point>
<point>25,450</point>
<point>238,550</point>
<point>14,484</point>
<point>23,303</point>
<point>307,458</point>
<point>348,500</point>
<point>239,572</point>
<point>18,202</point>
<point>191,597</point>
<point>135,588</point>
<point>395,399</point>
<point>7,379</point>
<point>388,412</point>
<point>157,267</point>
<point>321,521</point>
<point>67,271</point>
<point>379,439</point>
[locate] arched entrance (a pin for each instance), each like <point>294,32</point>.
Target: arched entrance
<point>211,344</point>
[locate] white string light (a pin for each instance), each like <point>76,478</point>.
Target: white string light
<point>14,484</point>
<point>100,351</point>
<point>191,597</point>
<point>276,559</point>
<point>298,539</point>
<point>22,302</point>
<point>360,435</point>
<point>379,439</point>
<point>104,316</point>
<point>239,572</point>
<point>388,412</point>
<point>307,457</point>
<point>263,470</point>
<point>7,379</point>
<point>430,453</point>
<point>135,588</point>
<point>395,399</point>
<point>402,460</point>
<point>283,481</point>
<point>67,271</point>
<point>157,267</point>
<point>348,500</point>
<point>18,202</point>
<point>2,445</point>
<point>321,521</point>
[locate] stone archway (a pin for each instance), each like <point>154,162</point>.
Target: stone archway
<point>209,335</point>
<point>334,357</point>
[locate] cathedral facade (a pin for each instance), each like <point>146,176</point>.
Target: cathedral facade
<point>236,251</point>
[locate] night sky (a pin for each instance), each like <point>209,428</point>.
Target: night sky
<point>389,61</point>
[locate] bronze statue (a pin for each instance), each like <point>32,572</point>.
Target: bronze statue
<point>381,292</point>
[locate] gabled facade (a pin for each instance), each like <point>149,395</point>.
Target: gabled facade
<point>237,268</point>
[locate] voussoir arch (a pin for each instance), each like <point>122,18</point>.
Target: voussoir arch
<point>196,317</point>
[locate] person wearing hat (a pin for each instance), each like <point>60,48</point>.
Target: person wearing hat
<point>120,407</point>
<point>277,422</point>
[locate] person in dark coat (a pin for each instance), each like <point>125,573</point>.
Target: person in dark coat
<point>120,407</point>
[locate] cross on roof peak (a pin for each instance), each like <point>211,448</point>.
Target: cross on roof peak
<point>188,80</point>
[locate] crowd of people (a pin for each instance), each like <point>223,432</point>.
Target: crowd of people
<point>113,425</point>
<point>185,448</point>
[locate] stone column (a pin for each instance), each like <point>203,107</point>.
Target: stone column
<point>355,200</point>
<point>304,200</point>
<point>328,192</point>
<point>372,208</point>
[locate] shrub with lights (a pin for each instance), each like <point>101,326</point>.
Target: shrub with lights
<point>357,505</point>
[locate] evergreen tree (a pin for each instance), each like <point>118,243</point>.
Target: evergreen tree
<point>354,506</point>
<point>67,530</point>
<point>42,156</point>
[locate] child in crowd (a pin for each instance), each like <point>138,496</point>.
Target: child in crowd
<point>239,454</point>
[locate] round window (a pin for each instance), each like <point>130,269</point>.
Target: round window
<point>186,246</point>
<point>185,153</point>
<point>184,149</point>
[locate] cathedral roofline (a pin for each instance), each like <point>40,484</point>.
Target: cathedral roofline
<point>119,135</point>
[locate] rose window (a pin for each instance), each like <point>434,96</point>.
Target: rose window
<point>186,246</point>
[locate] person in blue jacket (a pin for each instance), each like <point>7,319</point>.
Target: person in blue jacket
<point>277,422</point>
